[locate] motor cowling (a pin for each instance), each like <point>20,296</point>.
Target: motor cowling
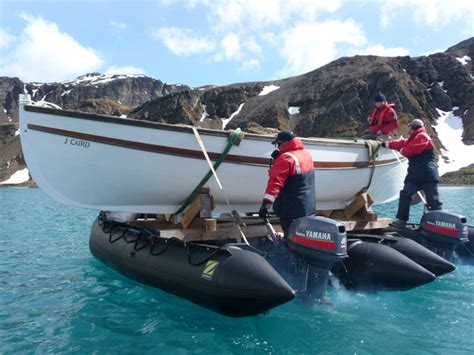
<point>319,240</point>
<point>444,228</point>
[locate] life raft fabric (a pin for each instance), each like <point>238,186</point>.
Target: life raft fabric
<point>228,280</point>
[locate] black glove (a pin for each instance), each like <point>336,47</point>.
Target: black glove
<point>275,154</point>
<point>263,212</point>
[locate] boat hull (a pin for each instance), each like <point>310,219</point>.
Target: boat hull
<point>108,163</point>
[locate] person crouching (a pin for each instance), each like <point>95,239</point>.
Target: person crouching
<point>382,120</point>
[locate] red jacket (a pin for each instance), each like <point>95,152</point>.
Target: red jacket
<point>285,166</point>
<point>418,142</point>
<point>383,119</point>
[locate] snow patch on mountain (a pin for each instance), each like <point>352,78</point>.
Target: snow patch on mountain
<point>456,154</point>
<point>226,121</point>
<point>293,110</point>
<point>464,59</point>
<point>99,79</point>
<point>18,177</point>
<point>441,85</point>
<point>204,113</point>
<point>268,89</point>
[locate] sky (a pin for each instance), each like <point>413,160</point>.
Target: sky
<point>214,42</point>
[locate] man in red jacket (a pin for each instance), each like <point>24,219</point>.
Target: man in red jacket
<point>382,120</point>
<point>290,186</point>
<point>422,170</point>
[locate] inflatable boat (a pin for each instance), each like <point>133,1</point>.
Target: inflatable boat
<point>246,279</point>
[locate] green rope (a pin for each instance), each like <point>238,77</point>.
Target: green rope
<point>197,189</point>
<point>373,147</point>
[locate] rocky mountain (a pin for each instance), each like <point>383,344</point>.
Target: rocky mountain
<point>108,94</point>
<point>331,101</point>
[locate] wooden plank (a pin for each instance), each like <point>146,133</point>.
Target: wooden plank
<point>210,224</point>
<point>370,200</point>
<point>325,213</point>
<point>366,225</point>
<point>227,232</point>
<point>226,229</point>
<point>206,206</point>
<point>364,215</point>
<point>356,204</point>
<point>191,212</point>
<point>338,214</point>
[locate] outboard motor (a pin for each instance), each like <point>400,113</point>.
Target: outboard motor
<point>442,231</point>
<point>465,251</point>
<point>320,242</point>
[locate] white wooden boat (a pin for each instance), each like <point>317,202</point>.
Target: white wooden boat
<point>110,163</point>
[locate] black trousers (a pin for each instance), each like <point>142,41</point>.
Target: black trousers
<point>432,197</point>
<point>285,224</point>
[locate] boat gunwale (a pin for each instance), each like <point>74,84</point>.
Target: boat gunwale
<point>178,127</point>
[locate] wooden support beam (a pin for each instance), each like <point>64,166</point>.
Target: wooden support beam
<point>364,215</point>
<point>359,225</point>
<point>191,212</point>
<point>210,224</point>
<point>206,206</point>
<point>325,213</point>
<point>359,202</point>
<point>370,200</point>
<point>203,205</point>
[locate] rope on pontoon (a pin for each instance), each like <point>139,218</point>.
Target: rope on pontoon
<point>143,237</point>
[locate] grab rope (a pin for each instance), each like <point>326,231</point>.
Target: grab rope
<point>189,246</point>
<point>143,237</point>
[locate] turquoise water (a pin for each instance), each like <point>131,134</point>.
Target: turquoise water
<point>56,298</point>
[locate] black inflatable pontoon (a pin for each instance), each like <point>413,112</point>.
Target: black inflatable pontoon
<point>229,280</point>
<point>241,280</point>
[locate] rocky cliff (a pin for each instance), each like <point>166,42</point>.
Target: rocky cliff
<point>332,101</point>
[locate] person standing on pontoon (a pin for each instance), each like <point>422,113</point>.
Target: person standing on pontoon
<point>290,188</point>
<point>382,120</point>
<point>422,170</point>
